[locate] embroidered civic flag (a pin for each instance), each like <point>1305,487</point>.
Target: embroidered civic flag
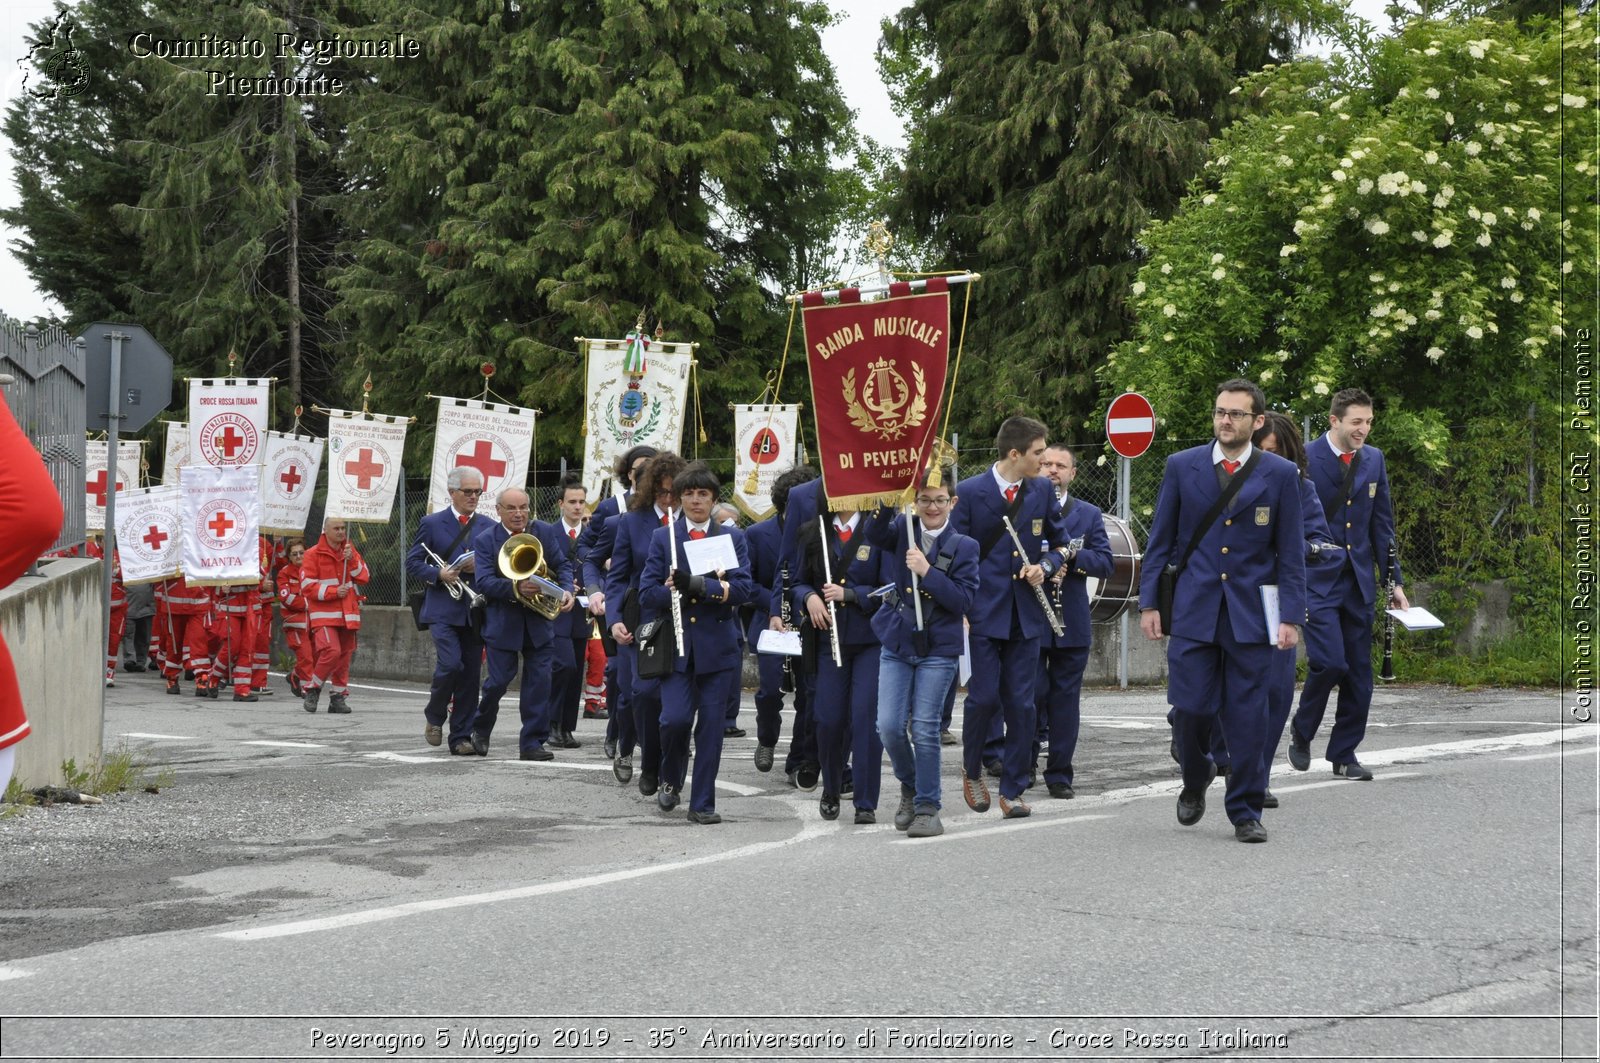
<point>228,420</point>
<point>624,409</point>
<point>175,455</point>
<point>496,440</point>
<point>149,533</point>
<point>364,451</point>
<point>98,482</point>
<point>763,442</point>
<point>877,373</point>
<point>288,481</point>
<point>221,521</point>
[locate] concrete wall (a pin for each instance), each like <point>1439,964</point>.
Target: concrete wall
<point>53,627</point>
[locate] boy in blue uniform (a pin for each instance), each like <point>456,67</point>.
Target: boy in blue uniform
<point>772,580</point>
<point>917,664</point>
<point>696,691</point>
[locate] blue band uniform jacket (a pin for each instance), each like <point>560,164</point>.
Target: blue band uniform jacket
<point>438,531</point>
<point>710,620</point>
<point>997,614</point>
<point>1363,521</point>
<point>507,624</point>
<point>857,566</point>
<point>1071,595</point>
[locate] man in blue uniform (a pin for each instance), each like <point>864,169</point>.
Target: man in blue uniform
<point>458,648</point>
<point>512,629</point>
<point>1219,649</point>
<point>572,626</point>
<point>1007,619</point>
<point>764,541</point>
<point>1353,486</point>
<point>1063,657</point>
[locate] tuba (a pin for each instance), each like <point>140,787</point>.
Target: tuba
<point>522,556</point>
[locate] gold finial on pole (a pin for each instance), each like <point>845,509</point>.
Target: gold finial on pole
<point>366,393</point>
<point>233,356</point>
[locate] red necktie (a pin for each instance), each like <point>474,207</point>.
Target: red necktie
<point>464,520</point>
<point>1011,494</point>
<point>1229,467</point>
<point>844,535</point>
<point>696,533</point>
<point>663,520</point>
<point>1346,457</point>
<point>572,534</point>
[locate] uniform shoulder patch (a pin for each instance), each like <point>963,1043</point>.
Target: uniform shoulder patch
<point>864,552</point>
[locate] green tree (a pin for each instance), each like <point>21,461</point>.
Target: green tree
<point>1044,136</point>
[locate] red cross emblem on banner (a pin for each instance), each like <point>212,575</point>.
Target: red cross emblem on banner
<point>220,525</point>
<point>155,537</point>
<point>229,442</point>
<point>363,468</point>
<point>482,458</point>
<point>97,488</point>
<point>291,479</point>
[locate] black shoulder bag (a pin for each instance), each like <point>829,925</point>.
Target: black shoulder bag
<point>657,648</point>
<point>1167,582</point>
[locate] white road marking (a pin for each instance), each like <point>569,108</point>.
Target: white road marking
<point>978,830</point>
<point>740,788</point>
<point>404,759</point>
<point>368,686</point>
<point>541,765</point>
<point>1341,781</point>
<point>1588,751</point>
<point>143,734</point>
<point>8,973</point>
<point>285,745</point>
<point>809,830</point>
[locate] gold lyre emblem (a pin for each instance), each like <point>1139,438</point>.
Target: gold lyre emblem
<point>877,406</point>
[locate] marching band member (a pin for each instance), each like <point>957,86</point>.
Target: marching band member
<point>292,601</point>
<point>513,629</point>
<point>572,627</point>
<point>1353,485</point>
<point>330,572</point>
<point>762,541</point>
<point>924,557</point>
<point>1278,435</point>
<point>1062,658</point>
<point>802,765</point>
<point>696,691</point>
<point>638,700</point>
<point>727,515</point>
<point>458,647</point>
<point>1218,654</point>
<point>594,550</point>
<point>846,707</point>
<point>1007,620</point>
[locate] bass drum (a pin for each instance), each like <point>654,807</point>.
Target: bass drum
<point>1108,598</point>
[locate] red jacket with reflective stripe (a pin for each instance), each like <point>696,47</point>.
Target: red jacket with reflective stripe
<point>30,513</point>
<point>290,598</point>
<point>329,585</point>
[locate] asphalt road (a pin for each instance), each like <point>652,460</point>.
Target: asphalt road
<point>331,887</point>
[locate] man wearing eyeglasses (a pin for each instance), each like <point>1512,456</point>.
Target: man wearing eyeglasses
<point>1219,648</point>
<point>458,649</point>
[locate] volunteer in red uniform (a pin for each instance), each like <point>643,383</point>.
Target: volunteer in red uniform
<point>329,576</point>
<point>119,607</point>
<point>185,641</point>
<point>292,601</point>
<point>30,511</point>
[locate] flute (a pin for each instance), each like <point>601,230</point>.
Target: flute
<point>827,577</point>
<point>1044,599</point>
<point>677,600</point>
<point>1387,672</point>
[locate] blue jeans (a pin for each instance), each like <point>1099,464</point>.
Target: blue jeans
<point>911,693</point>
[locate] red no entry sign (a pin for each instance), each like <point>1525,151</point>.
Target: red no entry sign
<point>1130,424</point>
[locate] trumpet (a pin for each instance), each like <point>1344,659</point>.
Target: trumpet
<point>522,557</point>
<point>456,589</point>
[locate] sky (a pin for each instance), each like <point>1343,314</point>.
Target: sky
<point>850,44</point>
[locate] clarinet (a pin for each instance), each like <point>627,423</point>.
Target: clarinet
<point>1038,592</point>
<point>1387,672</point>
<point>787,684</point>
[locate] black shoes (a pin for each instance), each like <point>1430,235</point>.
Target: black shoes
<point>1269,800</point>
<point>252,697</point>
<point>865,816</point>
<point>994,766</point>
<point>310,699</point>
<point>463,748</point>
<point>806,777</point>
<point>1353,770</point>
<point>609,747</point>
<point>667,798</point>
<point>1192,804</point>
<point>907,810</point>
<point>733,732</point>
<point>648,782</point>
<point>337,703</point>
<point>539,753</point>
<point>829,805</point>
<point>564,740</point>
<point>1299,752</point>
<point>1250,830</point>
<point>763,758</point>
<point>705,819</point>
<point>480,743</point>
<point>1060,790</point>
<point>622,769</point>
<point>173,688</point>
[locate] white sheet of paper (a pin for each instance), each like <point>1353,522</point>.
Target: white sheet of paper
<point>583,601</point>
<point>710,554</point>
<point>783,643</point>
<point>1416,618</point>
<point>964,664</point>
<point>1269,605</point>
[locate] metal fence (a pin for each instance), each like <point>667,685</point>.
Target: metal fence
<point>46,395</point>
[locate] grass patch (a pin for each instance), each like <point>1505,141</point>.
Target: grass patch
<point>114,772</point>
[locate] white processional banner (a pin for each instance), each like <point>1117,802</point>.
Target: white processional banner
<point>494,439</point>
<point>98,482</point>
<point>288,482</point>
<point>364,452</point>
<point>632,400</point>
<point>221,524</point>
<point>228,420</point>
<point>149,535</point>
<point>176,453</point>
<point>764,444</point>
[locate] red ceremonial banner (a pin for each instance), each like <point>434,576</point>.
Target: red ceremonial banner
<point>877,374</point>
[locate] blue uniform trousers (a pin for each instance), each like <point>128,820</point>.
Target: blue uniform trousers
<point>612,697</point>
<point>534,701</point>
<point>640,707</point>
<point>803,739</point>
<point>459,665</point>
<point>1280,699</point>
<point>698,699</point>
<point>1003,674</point>
<point>1058,693</point>
<point>1221,684</point>
<point>1339,649</point>
<point>769,698</point>
<point>847,722</point>
<point>567,682</point>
